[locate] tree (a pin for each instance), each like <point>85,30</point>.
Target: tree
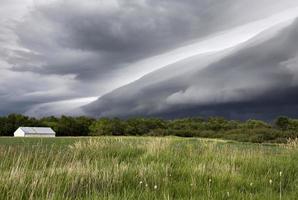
<point>254,124</point>
<point>282,123</point>
<point>217,123</point>
<point>101,127</point>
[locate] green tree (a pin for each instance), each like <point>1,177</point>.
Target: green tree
<point>282,123</point>
<point>254,124</point>
<point>101,127</point>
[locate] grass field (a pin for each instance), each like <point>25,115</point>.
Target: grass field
<point>145,168</point>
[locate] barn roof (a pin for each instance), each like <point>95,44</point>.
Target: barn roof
<point>37,130</point>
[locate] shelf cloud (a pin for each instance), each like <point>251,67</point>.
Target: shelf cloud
<point>257,78</point>
<point>54,53</point>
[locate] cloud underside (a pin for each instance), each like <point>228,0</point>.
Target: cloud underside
<point>54,55</point>
<point>256,79</point>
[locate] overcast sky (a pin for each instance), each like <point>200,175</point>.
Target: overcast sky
<point>58,55</point>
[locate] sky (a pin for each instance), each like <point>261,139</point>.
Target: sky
<point>69,56</point>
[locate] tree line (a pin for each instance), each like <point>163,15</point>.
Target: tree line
<point>251,130</point>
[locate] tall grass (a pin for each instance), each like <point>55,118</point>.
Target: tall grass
<point>148,168</point>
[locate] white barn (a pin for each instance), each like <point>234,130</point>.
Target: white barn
<point>34,132</point>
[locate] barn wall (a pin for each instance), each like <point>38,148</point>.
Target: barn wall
<point>37,135</point>
<point>19,133</point>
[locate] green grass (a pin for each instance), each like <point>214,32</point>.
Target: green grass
<point>145,168</point>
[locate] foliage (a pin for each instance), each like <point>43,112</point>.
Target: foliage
<point>282,123</point>
<point>213,127</point>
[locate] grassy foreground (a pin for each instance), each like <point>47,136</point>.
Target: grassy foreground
<point>145,168</point>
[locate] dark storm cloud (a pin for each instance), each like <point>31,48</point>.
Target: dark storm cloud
<point>92,39</point>
<point>73,49</point>
<point>257,79</point>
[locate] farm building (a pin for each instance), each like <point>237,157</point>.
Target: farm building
<point>34,132</point>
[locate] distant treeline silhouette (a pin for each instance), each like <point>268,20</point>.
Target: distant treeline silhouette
<point>282,129</point>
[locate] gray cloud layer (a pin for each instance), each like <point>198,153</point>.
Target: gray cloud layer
<point>258,79</point>
<point>71,49</point>
<point>92,39</point>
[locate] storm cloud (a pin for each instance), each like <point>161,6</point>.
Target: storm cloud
<point>258,78</point>
<point>54,53</point>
